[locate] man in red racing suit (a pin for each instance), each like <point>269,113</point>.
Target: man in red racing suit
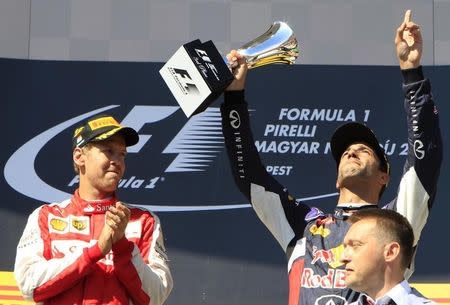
<point>312,240</point>
<point>91,248</point>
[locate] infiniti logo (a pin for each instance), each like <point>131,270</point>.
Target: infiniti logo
<point>330,300</point>
<point>418,149</point>
<point>235,120</point>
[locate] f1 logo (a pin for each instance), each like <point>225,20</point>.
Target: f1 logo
<point>141,115</point>
<point>207,60</point>
<point>183,78</point>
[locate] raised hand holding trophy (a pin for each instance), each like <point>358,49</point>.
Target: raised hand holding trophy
<point>197,74</point>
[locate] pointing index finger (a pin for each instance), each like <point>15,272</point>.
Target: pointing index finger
<point>407,16</point>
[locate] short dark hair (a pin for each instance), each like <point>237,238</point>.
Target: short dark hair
<point>392,225</point>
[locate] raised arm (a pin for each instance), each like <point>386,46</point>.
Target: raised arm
<point>418,184</point>
<point>282,215</point>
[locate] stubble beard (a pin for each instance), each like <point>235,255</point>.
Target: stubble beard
<point>350,174</point>
<point>108,183</point>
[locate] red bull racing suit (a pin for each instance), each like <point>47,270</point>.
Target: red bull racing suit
<point>59,262</point>
<point>311,239</point>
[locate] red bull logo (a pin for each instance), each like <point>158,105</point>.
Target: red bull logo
<point>325,221</point>
<point>335,278</point>
<point>331,257</point>
<point>319,230</point>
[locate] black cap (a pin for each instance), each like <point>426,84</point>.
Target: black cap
<point>101,128</point>
<point>354,132</point>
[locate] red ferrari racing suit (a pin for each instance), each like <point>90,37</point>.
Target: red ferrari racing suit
<point>58,260</point>
<point>311,239</point>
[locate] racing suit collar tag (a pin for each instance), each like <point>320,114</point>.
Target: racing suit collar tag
<point>98,207</point>
<point>345,211</point>
<point>94,206</point>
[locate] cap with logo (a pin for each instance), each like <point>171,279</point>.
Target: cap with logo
<point>354,132</point>
<point>100,128</point>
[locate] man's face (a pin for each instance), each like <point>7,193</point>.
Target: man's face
<point>104,164</point>
<point>363,256</point>
<point>358,162</point>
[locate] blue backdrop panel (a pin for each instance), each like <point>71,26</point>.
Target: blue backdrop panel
<point>220,253</point>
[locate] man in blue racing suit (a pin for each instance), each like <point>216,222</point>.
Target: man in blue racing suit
<point>312,240</point>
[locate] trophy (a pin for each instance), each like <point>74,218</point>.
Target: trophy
<point>197,74</point>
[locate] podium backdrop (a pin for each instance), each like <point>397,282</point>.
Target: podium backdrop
<point>220,252</point>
